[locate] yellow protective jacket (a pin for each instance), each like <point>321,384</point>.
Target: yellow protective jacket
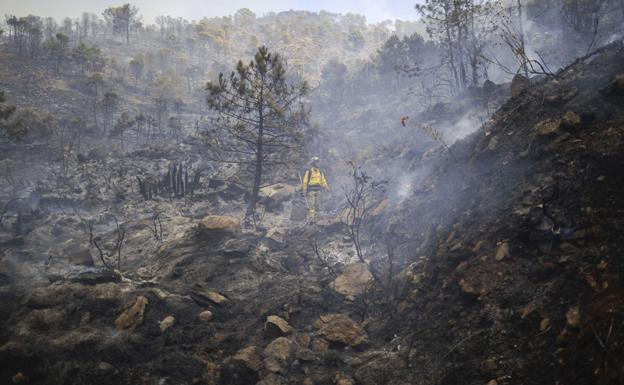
<point>314,179</point>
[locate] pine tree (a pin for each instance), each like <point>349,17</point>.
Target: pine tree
<point>122,18</point>
<point>260,114</point>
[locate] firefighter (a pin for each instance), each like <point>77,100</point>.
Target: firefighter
<point>314,183</point>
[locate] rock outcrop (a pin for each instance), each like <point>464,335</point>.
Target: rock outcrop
<point>341,328</point>
<point>355,279</point>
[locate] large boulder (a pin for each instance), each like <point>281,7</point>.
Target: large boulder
<point>519,84</point>
<point>278,192</point>
<point>341,328</point>
<point>277,355</point>
<point>132,317</point>
<point>355,279</point>
<point>242,368</point>
<point>250,357</point>
<point>570,121</point>
<point>276,326</point>
<point>219,226</point>
<point>273,197</point>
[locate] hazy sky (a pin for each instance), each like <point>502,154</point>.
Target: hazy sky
<point>374,10</point>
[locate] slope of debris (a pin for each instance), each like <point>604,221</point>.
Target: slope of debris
<point>522,284</point>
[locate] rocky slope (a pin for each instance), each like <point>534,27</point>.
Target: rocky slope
<point>509,260</point>
<point>523,283</point>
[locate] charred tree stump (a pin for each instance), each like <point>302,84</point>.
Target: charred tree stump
<point>173,184</point>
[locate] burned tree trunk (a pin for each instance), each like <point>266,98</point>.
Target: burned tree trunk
<point>174,184</point>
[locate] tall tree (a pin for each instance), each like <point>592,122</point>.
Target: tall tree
<point>68,25</point>
<point>215,34</point>
<point>88,58</point>
<point>33,28</point>
<point>583,18</point>
<point>123,123</point>
<point>5,113</point>
<point>161,104</point>
<point>20,32</point>
<point>110,106</point>
<point>166,88</point>
<point>244,17</point>
<point>260,115</point>
<point>521,33</point>
<point>84,24</point>
<point>122,18</point>
<point>76,127</point>
<point>462,27</point>
<point>441,22</point>
<point>355,40</point>
<point>175,123</point>
<point>139,124</point>
<point>50,27</point>
<point>137,67</point>
<point>58,49</point>
<point>94,82</point>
